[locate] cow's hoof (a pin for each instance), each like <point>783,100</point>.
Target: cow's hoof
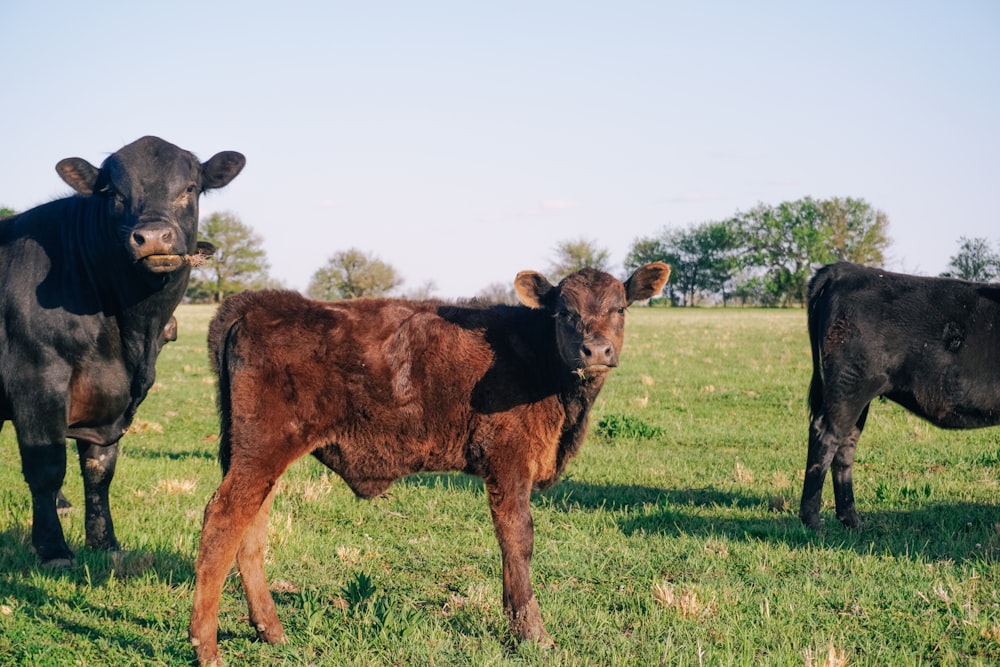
<point>60,563</point>
<point>851,520</point>
<point>811,521</point>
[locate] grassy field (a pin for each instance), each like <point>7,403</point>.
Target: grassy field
<point>672,540</point>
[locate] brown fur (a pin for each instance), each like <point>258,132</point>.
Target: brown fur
<point>379,389</point>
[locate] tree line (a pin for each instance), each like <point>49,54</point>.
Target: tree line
<point>763,257</point>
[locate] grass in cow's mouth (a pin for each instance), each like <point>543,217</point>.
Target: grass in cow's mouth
<point>661,545</point>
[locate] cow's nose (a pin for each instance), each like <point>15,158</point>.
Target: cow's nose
<point>157,236</point>
<point>599,352</point>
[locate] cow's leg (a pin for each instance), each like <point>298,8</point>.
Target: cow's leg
<point>44,468</point>
<point>842,474</point>
<point>830,442</point>
<point>250,558</point>
<point>97,464</point>
<point>511,512</point>
<point>822,448</point>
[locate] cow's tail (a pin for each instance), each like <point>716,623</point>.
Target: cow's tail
<point>222,334</point>
<point>816,313</point>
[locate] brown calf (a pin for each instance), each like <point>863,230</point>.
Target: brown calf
<point>377,389</point>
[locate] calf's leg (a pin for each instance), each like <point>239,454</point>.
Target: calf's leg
<point>511,512</point>
<point>228,514</point>
<point>250,558</point>
<point>97,464</point>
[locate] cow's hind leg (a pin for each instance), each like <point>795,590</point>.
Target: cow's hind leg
<point>97,464</point>
<point>842,474</point>
<point>227,516</point>
<point>44,468</point>
<point>832,441</point>
<point>250,558</point>
<point>511,512</point>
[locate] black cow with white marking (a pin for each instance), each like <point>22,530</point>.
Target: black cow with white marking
<point>88,285</point>
<point>929,344</point>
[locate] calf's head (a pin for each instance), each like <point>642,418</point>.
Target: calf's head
<point>149,190</point>
<point>589,311</point>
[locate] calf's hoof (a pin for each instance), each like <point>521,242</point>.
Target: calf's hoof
<point>526,624</point>
<point>272,634</point>
<point>207,653</point>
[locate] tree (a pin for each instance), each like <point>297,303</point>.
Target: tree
<point>975,260</point>
<point>783,244</point>
<point>351,274</point>
<point>856,232</point>
<point>239,262</point>
<point>498,292</point>
<point>6,212</point>
<point>700,259</point>
<point>571,256</point>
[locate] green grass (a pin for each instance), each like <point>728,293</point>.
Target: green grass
<point>672,539</point>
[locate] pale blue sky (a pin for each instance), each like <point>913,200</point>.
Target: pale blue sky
<point>461,141</point>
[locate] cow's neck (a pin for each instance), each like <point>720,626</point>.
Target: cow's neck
<point>98,270</point>
<point>577,399</point>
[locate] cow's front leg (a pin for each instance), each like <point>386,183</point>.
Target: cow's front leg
<point>97,463</point>
<point>511,511</point>
<point>44,467</point>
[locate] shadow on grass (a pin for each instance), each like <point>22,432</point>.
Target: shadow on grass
<point>931,530</point>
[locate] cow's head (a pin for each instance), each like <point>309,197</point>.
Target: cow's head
<point>589,309</point>
<point>150,189</point>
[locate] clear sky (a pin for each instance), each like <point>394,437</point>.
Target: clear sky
<point>461,141</point>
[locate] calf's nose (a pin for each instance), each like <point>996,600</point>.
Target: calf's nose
<point>599,352</point>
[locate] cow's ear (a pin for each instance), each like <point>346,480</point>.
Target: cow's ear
<point>221,168</point>
<point>531,288</point>
<point>647,281</point>
<point>79,174</point>
<point>204,248</point>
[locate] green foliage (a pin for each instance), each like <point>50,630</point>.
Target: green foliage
<point>239,262</point>
<point>766,255</point>
<point>682,548</point>
<point>975,260</point>
<point>618,426</point>
<point>352,274</point>
<point>571,256</point>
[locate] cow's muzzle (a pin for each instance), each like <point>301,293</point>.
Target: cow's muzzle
<point>598,354</point>
<point>155,247</point>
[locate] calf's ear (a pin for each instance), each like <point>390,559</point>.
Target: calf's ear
<point>221,168</point>
<point>647,281</point>
<point>79,174</point>
<point>531,287</point>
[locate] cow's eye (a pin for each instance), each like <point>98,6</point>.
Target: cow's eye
<point>116,198</point>
<point>191,188</point>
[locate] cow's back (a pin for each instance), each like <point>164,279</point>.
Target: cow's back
<point>390,383</point>
<point>927,343</point>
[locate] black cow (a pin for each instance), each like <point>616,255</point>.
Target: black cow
<point>88,285</point>
<point>929,344</point>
